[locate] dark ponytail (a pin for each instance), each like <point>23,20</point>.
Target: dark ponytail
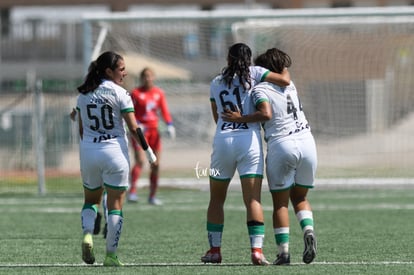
<point>96,71</point>
<point>239,59</point>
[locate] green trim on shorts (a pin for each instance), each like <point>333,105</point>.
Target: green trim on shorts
<point>295,184</point>
<point>116,187</point>
<point>280,190</point>
<point>251,176</point>
<point>92,189</point>
<point>304,186</point>
<point>213,178</point>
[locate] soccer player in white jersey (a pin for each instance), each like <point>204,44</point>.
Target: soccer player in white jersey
<point>237,146</point>
<point>103,106</point>
<point>291,158</point>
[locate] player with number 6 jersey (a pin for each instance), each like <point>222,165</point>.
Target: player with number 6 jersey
<point>291,158</point>
<point>237,146</point>
<point>235,97</point>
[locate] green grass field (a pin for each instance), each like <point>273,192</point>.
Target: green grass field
<point>360,231</point>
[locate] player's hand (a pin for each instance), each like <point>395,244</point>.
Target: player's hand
<point>229,115</point>
<point>171,131</point>
<point>72,115</point>
<point>142,126</point>
<point>152,158</point>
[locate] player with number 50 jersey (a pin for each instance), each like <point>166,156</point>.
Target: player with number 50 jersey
<point>103,122</point>
<point>103,107</point>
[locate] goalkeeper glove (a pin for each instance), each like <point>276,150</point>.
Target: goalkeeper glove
<point>171,131</point>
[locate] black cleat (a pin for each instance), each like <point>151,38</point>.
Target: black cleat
<point>310,246</point>
<point>282,259</point>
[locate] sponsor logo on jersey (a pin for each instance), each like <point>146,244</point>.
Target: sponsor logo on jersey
<point>299,127</point>
<point>234,126</point>
<point>103,137</point>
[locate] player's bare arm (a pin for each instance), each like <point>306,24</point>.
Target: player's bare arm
<point>282,79</point>
<point>214,111</point>
<point>72,114</point>
<point>263,113</point>
<point>136,132</point>
<point>80,128</point>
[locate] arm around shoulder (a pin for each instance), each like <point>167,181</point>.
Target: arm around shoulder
<point>282,79</point>
<point>263,113</point>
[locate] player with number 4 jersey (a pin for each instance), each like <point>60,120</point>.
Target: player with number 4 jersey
<point>237,146</point>
<point>288,116</point>
<point>291,154</point>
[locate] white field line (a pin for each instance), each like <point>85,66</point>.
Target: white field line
<point>383,263</point>
<point>228,207</point>
<point>340,183</point>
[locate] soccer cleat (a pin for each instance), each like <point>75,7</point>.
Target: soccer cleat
<point>212,256</point>
<point>132,197</point>
<point>282,259</point>
<point>87,249</point>
<point>97,226</point>
<point>258,258</point>
<point>310,246</point>
<point>154,201</point>
<point>112,260</point>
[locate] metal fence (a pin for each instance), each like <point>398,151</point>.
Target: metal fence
<point>41,64</point>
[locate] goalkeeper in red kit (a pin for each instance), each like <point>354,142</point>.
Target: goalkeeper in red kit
<point>149,102</point>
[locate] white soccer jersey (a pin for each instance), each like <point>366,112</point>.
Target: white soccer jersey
<point>291,151</point>
<point>235,97</point>
<point>104,158</point>
<point>236,145</point>
<point>101,113</point>
<point>287,115</point>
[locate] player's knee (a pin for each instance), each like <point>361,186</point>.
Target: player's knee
<point>298,199</point>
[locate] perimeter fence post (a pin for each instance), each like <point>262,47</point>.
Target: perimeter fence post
<point>35,86</point>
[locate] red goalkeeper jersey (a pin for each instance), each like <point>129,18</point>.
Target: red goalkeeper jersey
<point>149,104</point>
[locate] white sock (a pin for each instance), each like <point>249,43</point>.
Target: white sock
<point>282,239</point>
<point>115,222</point>
<point>215,238</point>
<point>283,248</point>
<point>256,241</point>
<point>305,218</point>
<point>88,217</point>
<point>105,209</point>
